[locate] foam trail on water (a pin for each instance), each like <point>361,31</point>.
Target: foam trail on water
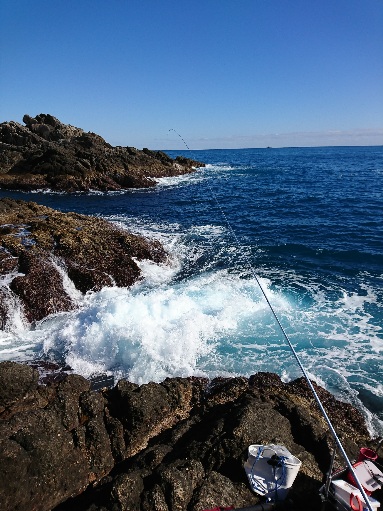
<point>178,181</point>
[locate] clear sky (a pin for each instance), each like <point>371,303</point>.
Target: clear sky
<point>222,73</point>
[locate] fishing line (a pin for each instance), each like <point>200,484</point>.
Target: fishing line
<point>295,354</point>
<point>171,129</point>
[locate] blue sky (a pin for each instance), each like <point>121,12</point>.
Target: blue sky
<point>222,73</point>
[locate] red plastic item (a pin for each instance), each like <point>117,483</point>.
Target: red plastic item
<point>367,454</point>
<point>358,503</point>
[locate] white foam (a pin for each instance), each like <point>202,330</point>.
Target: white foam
<point>44,191</point>
<point>68,284</point>
<point>213,323</point>
<point>219,167</point>
<point>7,278</point>
<point>16,323</point>
<point>153,334</point>
<point>208,230</point>
<point>180,180</point>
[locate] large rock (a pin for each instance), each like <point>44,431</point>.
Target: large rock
<point>174,446</point>
<point>39,245</point>
<point>53,440</point>
<point>47,154</point>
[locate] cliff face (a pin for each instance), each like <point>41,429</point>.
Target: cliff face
<point>39,244</point>
<point>47,154</point>
<point>176,445</point>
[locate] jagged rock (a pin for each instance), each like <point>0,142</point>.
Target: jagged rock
<point>47,154</point>
<point>181,444</point>
<point>38,245</point>
<point>147,410</point>
<point>218,490</point>
<point>126,491</point>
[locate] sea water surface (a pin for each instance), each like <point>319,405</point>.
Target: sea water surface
<point>304,223</point>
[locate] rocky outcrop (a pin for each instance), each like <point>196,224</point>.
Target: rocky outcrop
<point>176,445</point>
<point>47,154</point>
<point>40,246</point>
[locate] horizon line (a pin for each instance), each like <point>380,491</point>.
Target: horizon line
<point>270,147</point>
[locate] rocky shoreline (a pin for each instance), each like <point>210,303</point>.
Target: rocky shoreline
<point>46,154</point>
<point>46,254</point>
<point>175,445</point>
<point>67,443</point>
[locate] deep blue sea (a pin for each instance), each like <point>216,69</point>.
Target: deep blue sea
<point>307,223</point>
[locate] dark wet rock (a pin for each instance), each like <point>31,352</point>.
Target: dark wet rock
<point>16,381</point>
<point>51,372</point>
<point>146,410</point>
<point>38,245</point>
<point>56,447</point>
<point>218,490</point>
<point>47,154</point>
<point>175,445</point>
<point>40,287</point>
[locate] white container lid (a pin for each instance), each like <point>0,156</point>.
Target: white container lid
<point>369,475</point>
<point>343,491</point>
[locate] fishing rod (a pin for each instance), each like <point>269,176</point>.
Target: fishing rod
<point>289,343</point>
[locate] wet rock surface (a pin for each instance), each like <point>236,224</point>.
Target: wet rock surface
<point>175,445</point>
<point>43,252</point>
<point>44,153</point>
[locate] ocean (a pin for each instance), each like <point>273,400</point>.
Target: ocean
<point>305,224</point>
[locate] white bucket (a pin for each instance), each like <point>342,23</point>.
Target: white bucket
<point>271,470</point>
<point>344,490</point>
